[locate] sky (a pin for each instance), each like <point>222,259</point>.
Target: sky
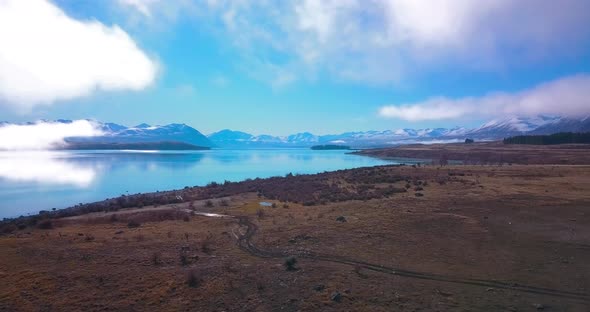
<point>282,67</point>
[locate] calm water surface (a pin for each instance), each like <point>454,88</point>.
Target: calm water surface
<point>34,181</point>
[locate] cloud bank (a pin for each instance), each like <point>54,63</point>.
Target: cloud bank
<point>569,96</point>
<point>46,56</point>
<point>44,135</point>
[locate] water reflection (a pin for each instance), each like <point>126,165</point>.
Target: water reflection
<point>45,168</point>
<point>143,160</point>
<point>33,181</point>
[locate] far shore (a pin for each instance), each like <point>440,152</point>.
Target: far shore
<point>488,153</point>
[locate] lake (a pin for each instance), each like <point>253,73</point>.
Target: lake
<point>33,181</point>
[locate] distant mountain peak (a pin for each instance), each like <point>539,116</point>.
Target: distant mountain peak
<point>142,126</point>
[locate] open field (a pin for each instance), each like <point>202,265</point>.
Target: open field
<point>480,238</point>
<point>490,153</point>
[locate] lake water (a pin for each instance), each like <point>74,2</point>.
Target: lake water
<point>34,181</point>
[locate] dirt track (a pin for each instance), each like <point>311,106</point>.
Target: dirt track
<point>244,242</point>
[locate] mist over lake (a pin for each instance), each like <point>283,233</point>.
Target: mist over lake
<point>30,182</point>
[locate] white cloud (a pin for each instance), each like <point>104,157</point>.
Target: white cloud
<point>44,135</point>
<point>569,96</point>
<point>385,41</point>
<point>46,56</point>
<point>143,6</point>
<point>155,13</point>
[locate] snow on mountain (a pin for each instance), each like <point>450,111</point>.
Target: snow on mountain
<point>110,127</point>
<point>500,128</point>
<point>527,124</point>
<point>265,138</point>
<point>304,137</point>
<point>564,125</point>
<point>115,133</point>
<point>456,131</point>
<point>492,130</point>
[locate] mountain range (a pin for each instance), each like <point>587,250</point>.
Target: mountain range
<point>182,133</point>
<point>493,130</point>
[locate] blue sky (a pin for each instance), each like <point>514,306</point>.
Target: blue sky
<point>291,66</point>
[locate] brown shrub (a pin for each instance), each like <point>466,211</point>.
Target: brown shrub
<point>133,224</point>
<point>156,258</point>
<point>183,257</point>
<point>290,263</point>
<point>207,243</point>
<point>45,225</point>
<point>193,279</point>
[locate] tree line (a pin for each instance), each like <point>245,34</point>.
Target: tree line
<point>556,138</point>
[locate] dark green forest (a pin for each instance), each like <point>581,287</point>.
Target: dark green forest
<point>330,147</point>
<point>552,139</point>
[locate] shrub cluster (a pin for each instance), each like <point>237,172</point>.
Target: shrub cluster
<point>337,186</point>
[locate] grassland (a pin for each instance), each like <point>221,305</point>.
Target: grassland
<point>396,238</point>
<point>490,153</point>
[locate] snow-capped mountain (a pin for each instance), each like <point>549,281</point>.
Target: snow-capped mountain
<point>110,127</point>
<point>229,138</point>
<point>492,130</point>
<point>304,137</point>
<point>143,133</point>
<point>564,125</point>
<point>501,128</point>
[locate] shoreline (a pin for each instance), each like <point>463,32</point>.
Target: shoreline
<point>411,155</point>
<point>89,176</point>
<point>212,190</point>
